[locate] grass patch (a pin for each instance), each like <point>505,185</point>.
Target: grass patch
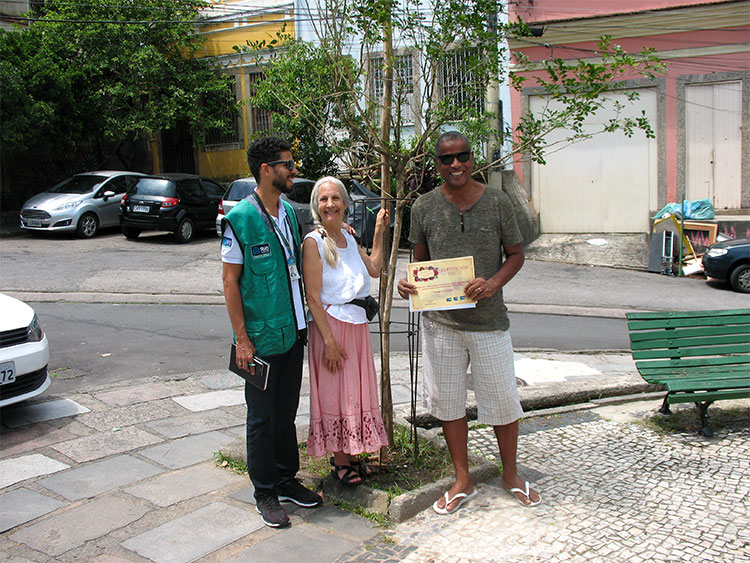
<point>402,469</point>
<point>221,460</point>
<point>380,519</point>
<point>686,419</point>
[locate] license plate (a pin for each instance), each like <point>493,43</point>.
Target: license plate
<point>141,208</point>
<point>33,222</point>
<point>7,372</point>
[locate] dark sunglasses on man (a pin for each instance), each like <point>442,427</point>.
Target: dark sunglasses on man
<point>288,163</point>
<point>448,158</point>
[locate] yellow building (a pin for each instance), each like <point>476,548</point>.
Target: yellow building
<point>227,24</point>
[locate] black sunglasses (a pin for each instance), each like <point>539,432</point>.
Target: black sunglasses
<point>288,163</point>
<point>448,158</point>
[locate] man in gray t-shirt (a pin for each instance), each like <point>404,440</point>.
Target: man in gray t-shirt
<point>463,217</point>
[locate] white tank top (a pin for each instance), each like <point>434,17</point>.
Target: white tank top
<point>348,280</point>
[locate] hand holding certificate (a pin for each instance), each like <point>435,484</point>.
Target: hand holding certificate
<point>440,284</point>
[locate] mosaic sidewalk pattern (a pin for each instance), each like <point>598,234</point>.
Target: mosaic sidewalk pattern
<point>611,491</point>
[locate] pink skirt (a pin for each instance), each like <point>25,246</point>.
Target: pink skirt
<point>344,410</point>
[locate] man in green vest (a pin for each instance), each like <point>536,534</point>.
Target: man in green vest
<point>260,252</point>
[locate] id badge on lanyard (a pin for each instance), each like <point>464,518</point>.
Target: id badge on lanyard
<point>293,271</point>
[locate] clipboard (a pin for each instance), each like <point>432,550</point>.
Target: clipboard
<point>258,379</point>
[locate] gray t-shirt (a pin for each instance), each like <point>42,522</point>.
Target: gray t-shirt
<point>481,231</point>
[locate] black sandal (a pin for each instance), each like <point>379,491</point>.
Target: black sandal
<point>351,477</point>
<point>361,467</point>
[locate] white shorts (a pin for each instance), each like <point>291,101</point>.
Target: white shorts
<point>446,356</point>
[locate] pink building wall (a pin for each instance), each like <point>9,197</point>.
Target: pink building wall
<point>548,11</point>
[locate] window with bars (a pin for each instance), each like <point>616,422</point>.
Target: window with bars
<point>260,119</point>
<point>218,136</point>
<point>403,84</point>
<point>459,84</point>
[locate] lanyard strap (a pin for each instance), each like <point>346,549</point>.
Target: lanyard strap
<point>271,223</point>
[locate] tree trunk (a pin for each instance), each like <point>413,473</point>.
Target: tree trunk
<point>386,399</point>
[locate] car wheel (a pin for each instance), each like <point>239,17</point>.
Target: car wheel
<point>131,233</point>
<point>88,225</point>
<point>740,278</point>
<point>185,231</point>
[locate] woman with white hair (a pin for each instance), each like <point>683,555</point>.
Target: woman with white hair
<point>344,411</point>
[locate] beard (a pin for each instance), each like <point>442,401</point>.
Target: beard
<point>280,184</point>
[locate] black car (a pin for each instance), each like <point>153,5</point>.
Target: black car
<point>364,206</point>
<point>180,203</point>
<point>729,261</point>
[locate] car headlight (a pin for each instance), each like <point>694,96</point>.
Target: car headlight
<point>714,252</point>
<point>34,331</point>
<point>69,205</point>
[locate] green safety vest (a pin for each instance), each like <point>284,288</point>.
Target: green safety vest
<point>265,285</point>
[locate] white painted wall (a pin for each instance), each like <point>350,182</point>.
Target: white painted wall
<point>606,184</point>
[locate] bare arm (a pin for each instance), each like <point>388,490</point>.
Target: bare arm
<point>374,262</point>
<point>312,274</point>
<point>230,277</point>
<point>479,288</point>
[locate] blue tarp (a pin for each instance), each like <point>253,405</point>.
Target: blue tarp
<point>698,209</point>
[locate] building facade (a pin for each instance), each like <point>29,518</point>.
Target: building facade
<point>698,109</point>
<point>226,25</point>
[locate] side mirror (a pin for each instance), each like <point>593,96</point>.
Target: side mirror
<point>108,194</point>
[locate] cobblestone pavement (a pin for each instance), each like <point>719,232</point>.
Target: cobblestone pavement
<point>612,490</point>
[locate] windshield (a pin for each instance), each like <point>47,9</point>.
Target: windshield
<point>240,189</point>
<point>154,186</point>
<point>80,184</point>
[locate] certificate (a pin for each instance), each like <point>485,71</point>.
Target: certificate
<point>440,284</point>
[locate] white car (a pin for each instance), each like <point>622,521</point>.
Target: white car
<point>83,203</point>
<point>24,353</point>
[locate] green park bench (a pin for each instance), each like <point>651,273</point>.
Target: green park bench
<point>699,356</point>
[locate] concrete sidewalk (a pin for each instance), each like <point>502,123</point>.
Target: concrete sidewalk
<point>127,474</point>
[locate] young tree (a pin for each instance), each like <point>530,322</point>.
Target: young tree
<point>302,69</point>
<point>391,74</point>
<point>85,73</point>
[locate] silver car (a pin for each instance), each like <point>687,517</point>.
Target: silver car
<point>83,203</point>
<point>298,198</point>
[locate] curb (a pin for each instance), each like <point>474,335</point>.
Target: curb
<point>548,404</point>
<point>218,299</point>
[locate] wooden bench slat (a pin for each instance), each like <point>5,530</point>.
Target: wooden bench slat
<point>729,369</point>
<point>674,398</point>
<point>660,376</point>
<point>689,352</point>
<point>695,362</point>
<point>689,322</point>
<point>695,382</point>
<point>712,372</point>
<point>692,384</point>
<point>687,314</point>
<point>656,335</point>
<point>741,374</point>
<point>699,356</point>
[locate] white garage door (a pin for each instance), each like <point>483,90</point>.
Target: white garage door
<point>713,134</point>
<point>606,184</point>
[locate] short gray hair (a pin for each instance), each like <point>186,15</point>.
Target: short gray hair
<point>451,136</point>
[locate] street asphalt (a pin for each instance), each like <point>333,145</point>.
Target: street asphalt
<point>126,472</point>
